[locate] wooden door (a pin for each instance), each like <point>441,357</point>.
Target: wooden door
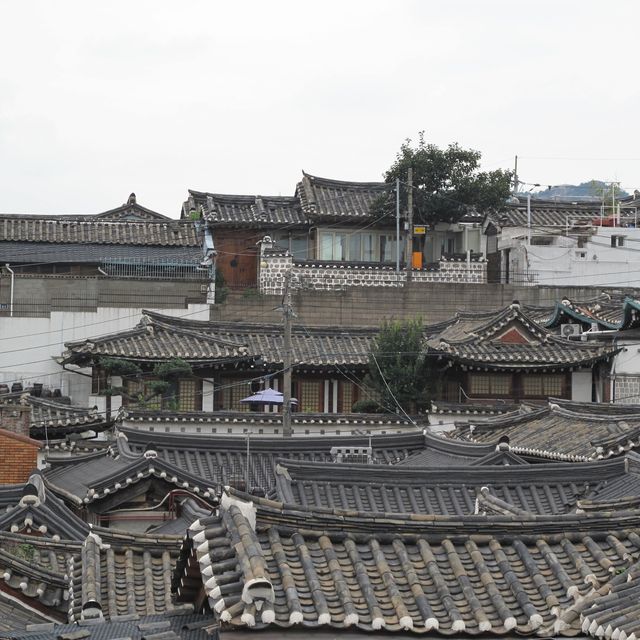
<point>238,260</point>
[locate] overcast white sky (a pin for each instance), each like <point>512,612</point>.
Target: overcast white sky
<point>101,99</point>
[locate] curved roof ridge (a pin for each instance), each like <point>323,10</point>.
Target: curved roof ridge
<point>346,183</point>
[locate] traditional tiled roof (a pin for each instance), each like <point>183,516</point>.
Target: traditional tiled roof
<point>83,480</point>
<point>254,420</point>
<point>266,565</point>
<point>89,230</point>
<point>55,419</point>
<point>120,574</point>
<point>32,508</point>
<point>17,616</point>
<point>613,313</point>
<point>34,571</point>
<point>156,338</point>
<point>221,460</point>
<point>322,198</point>
<point>159,337</point>
<point>613,610</point>
<point>257,211</point>
<point>449,491</point>
<point>179,624</point>
<point>579,430</point>
<point>64,252</point>
<point>509,339</point>
<point>547,213</point>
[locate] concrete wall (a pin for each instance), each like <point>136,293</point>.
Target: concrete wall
<point>36,295</point>
<point>369,306</point>
<point>28,346</point>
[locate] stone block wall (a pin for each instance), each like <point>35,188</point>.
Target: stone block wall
<point>336,276</point>
<point>627,389</point>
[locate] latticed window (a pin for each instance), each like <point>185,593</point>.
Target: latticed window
<point>190,395</point>
<point>309,396</point>
<point>491,384</point>
<point>232,392</point>
<point>543,385</point>
<point>347,396</point>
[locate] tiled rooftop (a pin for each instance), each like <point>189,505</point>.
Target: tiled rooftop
<point>263,564</point>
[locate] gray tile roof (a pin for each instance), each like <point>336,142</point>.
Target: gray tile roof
<point>179,624</point>
<point>578,430</point>
<point>322,198</point>
<point>159,337</point>
<point>473,338</point>
<point>547,213</point>
<point>264,564</point>
<point>257,211</point>
<point>123,574</point>
<point>57,418</point>
<point>88,479</point>
<point>15,616</point>
<point>34,570</point>
<point>32,508</point>
<point>222,459</point>
<point>613,610</point>
<point>65,252</point>
<point>89,230</point>
<point>450,491</point>
<point>316,199</point>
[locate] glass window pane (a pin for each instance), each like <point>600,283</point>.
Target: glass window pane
<point>326,246</point>
<point>355,247</point>
<point>340,246</point>
<point>369,247</point>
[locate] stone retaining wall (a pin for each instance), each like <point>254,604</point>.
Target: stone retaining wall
<point>331,276</point>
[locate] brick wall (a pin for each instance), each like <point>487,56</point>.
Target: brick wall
<point>18,457</point>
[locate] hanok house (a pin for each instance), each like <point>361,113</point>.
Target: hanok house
<point>129,241</point>
<point>326,220</point>
<point>507,355</point>
<point>229,361</point>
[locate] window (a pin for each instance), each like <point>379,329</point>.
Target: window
<point>358,246</point>
<point>98,380</point>
<point>538,385</point>
<point>309,396</point>
<point>489,384</point>
<point>189,395</point>
<point>186,395</point>
<point>617,241</point>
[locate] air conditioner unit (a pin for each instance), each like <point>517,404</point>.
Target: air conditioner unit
<point>567,330</point>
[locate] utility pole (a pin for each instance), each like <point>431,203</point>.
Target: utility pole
<point>397,226</point>
<point>516,184</point>
<point>287,313</point>
<point>409,222</point>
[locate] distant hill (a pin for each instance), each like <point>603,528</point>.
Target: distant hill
<point>585,190</point>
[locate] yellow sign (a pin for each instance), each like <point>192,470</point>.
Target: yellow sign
<point>419,230</point>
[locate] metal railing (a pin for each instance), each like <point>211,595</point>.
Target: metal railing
<point>156,270</point>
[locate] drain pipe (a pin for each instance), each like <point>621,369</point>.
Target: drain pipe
<point>13,275</point>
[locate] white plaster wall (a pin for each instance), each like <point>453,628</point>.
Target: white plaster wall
<point>581,381</point>
<point>240,429</point>
<point>597,263</point>
<point>28,346</point>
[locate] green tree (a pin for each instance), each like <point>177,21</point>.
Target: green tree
<point>398,369</point>
<point>447,182</point>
